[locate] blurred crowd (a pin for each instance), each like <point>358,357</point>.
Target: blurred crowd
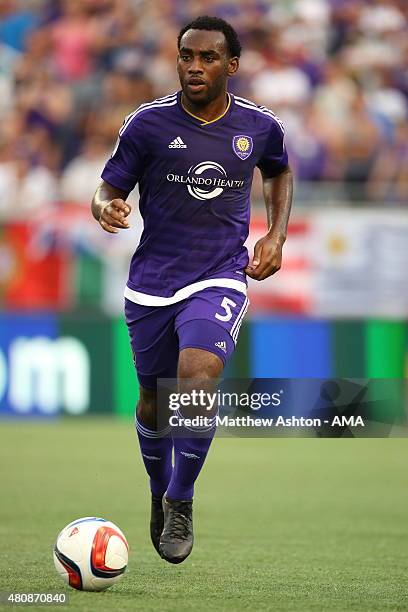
<point>335,71</point>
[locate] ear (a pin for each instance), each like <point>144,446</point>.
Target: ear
<point>233,65</point>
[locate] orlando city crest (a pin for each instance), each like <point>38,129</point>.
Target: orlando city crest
<point>242,146</point>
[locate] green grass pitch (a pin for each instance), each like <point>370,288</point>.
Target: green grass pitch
<point>280,524</point>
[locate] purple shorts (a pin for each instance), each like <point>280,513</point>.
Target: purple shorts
<point>209,320</point>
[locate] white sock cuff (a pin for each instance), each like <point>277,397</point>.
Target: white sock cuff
<point>151,433</point>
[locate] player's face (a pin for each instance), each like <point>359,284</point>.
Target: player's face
<point>203,65</point>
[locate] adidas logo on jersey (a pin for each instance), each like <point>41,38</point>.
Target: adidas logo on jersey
<point>177,143</point>
<point>222,345</point>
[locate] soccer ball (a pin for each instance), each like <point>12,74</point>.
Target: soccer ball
<point>91,554</point>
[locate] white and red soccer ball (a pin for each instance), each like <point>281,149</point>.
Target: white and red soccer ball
<point>91,554</point>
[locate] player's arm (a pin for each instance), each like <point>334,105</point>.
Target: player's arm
<point>109,207</point>
<point>278,192</point>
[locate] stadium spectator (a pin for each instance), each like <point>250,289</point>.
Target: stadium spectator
<point>360,143</point>
<point>17,20</point>
<point>334,69</point>
<point>81,176</point>
<point>25,187</point>
<point>389,177</point>
<point>73,42</point>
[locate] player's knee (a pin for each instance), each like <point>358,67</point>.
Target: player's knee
<point>198,371</point>
<point>199,364</point>
<point>147,407</point>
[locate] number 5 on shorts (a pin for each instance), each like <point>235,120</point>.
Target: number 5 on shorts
<point>227,304</point>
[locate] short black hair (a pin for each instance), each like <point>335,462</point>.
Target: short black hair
<point>214,24</point>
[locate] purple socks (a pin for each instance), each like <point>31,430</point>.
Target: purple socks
<point>156,448</point>
<point>189,456</point>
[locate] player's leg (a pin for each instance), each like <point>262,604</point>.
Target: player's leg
<point>155,350</point>
<point>156,445</point>
<point>207,325</point>
<point>197,369</point>
<point>157,449</point>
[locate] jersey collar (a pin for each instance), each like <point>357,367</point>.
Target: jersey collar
<point>198,120</point>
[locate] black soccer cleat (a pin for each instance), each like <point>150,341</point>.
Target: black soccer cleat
<point>156,521</point>
<point>177,539</point>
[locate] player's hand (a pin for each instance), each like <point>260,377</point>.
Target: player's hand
<point>267,257</point>
<point>113,216</point>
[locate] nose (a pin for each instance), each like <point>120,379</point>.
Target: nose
<point>196,66</point>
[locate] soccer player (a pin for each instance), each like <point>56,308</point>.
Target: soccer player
<point>193,154</point>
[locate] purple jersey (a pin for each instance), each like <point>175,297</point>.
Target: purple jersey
<point>195,181</point>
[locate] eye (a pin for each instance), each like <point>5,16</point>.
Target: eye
<point>184,58</point>
<point>209,59</point>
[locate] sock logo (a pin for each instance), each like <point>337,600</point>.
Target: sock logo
<point>151,457</point>
<point>222,345</point>
<point>190,455</point>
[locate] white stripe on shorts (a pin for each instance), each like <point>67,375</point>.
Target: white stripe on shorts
<point>235,328</point>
